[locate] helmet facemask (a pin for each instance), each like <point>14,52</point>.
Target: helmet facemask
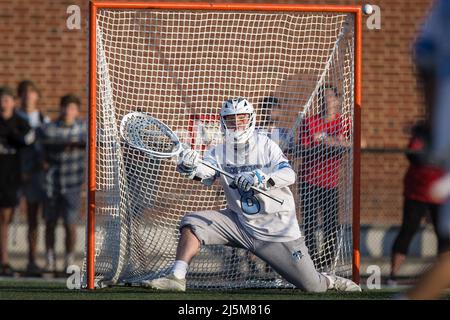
<point>238,128</point>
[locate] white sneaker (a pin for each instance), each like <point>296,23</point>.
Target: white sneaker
<point>167,283</point>
<point>341,284</point>
<point>50,262</point>
<point>68,261</point>
<point>391,283</point>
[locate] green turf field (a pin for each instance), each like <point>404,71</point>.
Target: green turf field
<point>38,289</point>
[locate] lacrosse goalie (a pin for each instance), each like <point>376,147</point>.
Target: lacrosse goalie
<point>268,229</point>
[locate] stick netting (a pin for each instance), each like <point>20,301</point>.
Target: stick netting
<point>178,66</point>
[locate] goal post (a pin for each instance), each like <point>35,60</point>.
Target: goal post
<point>178,62</point>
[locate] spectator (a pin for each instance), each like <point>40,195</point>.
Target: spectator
<point>32,168</point>
<point>274,118</point>
<point>324,140</point>
<point>266,118</point>
<point>417,200</point>
<point>64,143</point>
<point>14,134</point>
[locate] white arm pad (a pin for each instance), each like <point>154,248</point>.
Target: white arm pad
<point>206,174</point>
<point>282,178</point>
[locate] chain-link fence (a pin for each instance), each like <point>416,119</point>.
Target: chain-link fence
<point>18,243</point>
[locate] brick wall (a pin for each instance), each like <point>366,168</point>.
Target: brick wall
<point>36,44</point>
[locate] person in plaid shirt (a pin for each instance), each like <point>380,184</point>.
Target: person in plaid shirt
<point>64,143</point>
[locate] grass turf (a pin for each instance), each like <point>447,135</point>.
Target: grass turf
<point>48,290</point>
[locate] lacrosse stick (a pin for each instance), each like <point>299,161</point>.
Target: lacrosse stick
<point>155,138</point>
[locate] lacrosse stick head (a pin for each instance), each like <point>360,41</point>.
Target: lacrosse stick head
<point>150,135</point>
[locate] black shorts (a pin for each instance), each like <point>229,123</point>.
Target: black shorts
<point>413,213</point>
<point>9,198</point>
<point>9,181</point>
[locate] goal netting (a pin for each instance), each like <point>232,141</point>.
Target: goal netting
<point>178,66</point>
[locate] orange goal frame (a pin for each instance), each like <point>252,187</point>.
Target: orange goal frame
<point>94,5</point>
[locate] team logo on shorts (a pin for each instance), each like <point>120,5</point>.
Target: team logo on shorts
<point>297,255</point>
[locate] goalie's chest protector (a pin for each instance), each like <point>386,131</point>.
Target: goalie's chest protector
<point>263,217</point>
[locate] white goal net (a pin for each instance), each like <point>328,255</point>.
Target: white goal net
<point>296,68</point>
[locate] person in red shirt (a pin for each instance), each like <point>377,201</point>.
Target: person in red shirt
<point>417,199</point>
<point>324,141</point>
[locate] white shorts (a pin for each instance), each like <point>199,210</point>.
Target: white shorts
<point>290,259</point>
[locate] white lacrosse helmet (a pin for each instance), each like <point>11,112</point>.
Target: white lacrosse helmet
<point>236,106</point>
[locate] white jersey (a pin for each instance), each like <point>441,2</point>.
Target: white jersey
<point>432,53</point>
<point>433,56</point>
<point>262,217</point>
